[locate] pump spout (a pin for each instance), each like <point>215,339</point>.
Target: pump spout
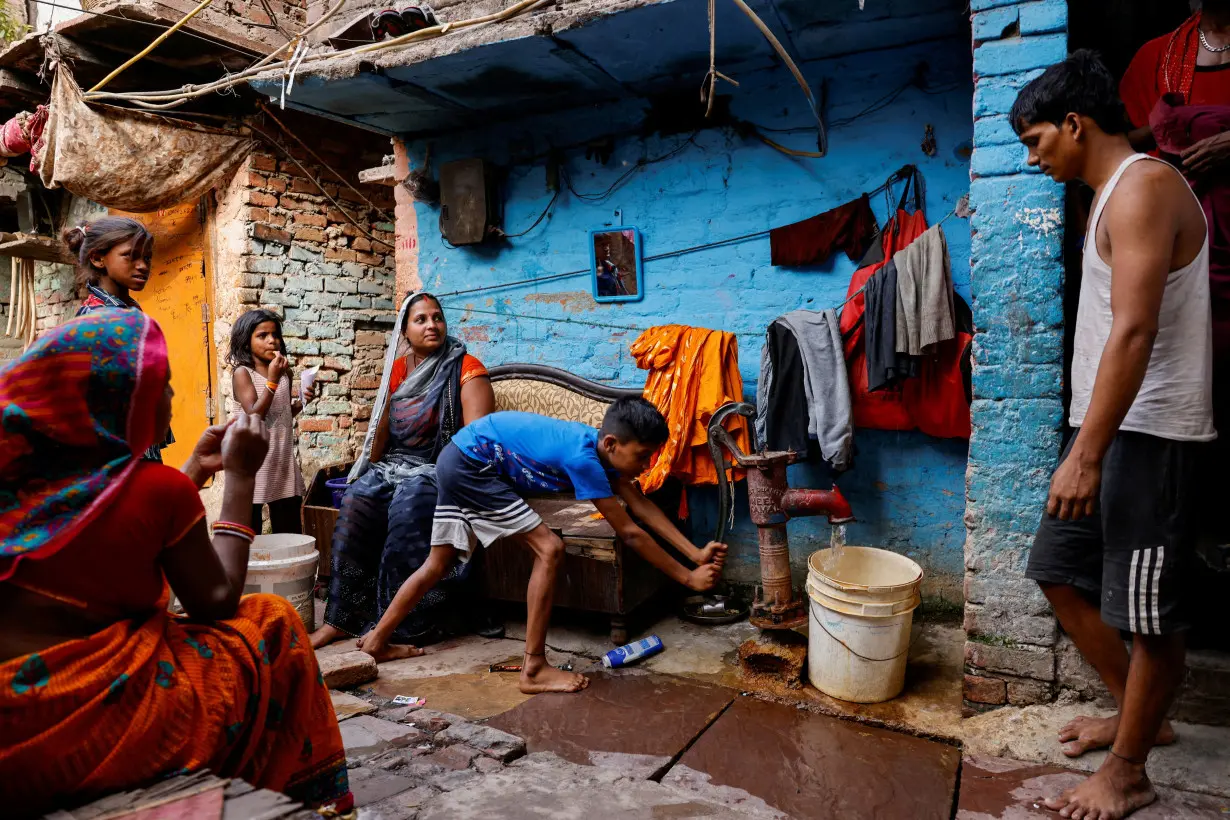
<point>829,503</point>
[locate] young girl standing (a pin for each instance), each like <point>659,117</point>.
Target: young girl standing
<point>261,383</point>
<point>113,261</point>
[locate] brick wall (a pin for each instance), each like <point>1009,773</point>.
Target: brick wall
<point>260,21</point>
<point>9,348</point>
<point>283,246</point>
<point>1017,281</point>
<point>56,294</point>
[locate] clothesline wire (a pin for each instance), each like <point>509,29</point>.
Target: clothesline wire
<point>718,243</point>
<point>562,319</point>
<point>666,255</point>
<point>582,271</point>
<point>612,326</point>
<point>569,321</point>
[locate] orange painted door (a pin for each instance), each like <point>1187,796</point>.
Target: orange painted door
<point>178,296</point>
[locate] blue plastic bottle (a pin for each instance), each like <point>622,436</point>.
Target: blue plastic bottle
<point>633,652</point>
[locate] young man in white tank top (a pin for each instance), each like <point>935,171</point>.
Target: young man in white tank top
<point>1121,519</point>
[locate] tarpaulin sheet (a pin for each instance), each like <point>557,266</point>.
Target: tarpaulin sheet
<point>131,160</point>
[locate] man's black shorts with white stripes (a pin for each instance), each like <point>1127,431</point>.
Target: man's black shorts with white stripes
<point>1136,550</point>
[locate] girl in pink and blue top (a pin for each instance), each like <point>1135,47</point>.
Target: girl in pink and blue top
<point>261,384</point>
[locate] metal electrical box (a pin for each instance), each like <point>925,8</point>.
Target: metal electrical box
<point>469,209</point>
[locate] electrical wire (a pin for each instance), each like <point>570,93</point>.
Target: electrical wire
<point>174,98</point>
<point>640,165</point>
<point>759,131</point>
<point>319,184</point>
<point>269,113</point>
<point>537,221</point>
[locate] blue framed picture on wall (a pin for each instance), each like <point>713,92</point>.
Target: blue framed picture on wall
<point>615,258</point>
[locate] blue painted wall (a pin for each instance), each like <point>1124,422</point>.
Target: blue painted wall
<point>1017,259</point>
<point>907,489</point>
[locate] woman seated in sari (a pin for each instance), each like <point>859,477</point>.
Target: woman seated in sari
<point>101,687</point>
<point>383,531</point>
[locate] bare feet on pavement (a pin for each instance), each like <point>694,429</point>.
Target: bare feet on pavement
<point>1085,734</point>
<point>378,646</point>
<point>1112,793</point>
<point>538,676</point>
<point>326,635</point>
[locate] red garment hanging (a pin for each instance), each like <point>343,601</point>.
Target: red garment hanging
<point>937,401</point>
<point>883,409</point>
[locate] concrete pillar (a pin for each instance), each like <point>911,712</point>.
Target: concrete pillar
<point>406,260</point>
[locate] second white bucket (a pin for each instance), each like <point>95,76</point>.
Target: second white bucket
<point>861,610</point>
<point>285,565</point>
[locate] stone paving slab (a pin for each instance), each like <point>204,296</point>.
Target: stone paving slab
<point>473,695</point>
<point>811,765</point>
<point>347,706</point>
<point>546,787</point>
<point>995,788</point>
<point>365,735</point>
<point>632,721</point>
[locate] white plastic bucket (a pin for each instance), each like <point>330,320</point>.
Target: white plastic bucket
<point>279,546</point>
<point>861,610</point>
<point>282,564</point>
<point>292,578</point>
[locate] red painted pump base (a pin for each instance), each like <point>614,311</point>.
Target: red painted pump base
<point>791,615</point>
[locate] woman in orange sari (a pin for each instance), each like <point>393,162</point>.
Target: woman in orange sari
<point>101,688</point>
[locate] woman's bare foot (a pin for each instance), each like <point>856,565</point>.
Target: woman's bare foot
<point>1112,793</point>
<point>397,652</point>
<point>377,645</point>
<point>1084,734</point>
<point>326,635</point>
<point>538,676</point>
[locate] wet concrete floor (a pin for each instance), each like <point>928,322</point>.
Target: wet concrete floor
<point>995,788</point>
<point>688,719</point>
<point>635,720</point>
<point>810,765</point>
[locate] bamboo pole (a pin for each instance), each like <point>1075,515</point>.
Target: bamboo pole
<point>152,45</point>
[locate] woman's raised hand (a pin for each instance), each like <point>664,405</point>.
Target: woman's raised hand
<point>245,444</point>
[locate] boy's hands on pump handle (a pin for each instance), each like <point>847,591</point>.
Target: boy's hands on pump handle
<point>704,577</point>
<point>713,553</point>
<point>277,367</point>
<point>245,444</point>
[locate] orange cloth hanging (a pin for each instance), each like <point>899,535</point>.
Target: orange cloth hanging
<point>692,372</point>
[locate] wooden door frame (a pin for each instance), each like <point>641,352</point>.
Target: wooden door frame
<point>209,229</point>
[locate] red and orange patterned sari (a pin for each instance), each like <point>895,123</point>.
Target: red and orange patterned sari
<point>82,522</point>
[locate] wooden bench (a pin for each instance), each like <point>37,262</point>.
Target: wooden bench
<point>599,573</point>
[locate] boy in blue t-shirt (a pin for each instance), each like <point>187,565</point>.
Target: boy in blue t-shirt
<point>483,474</point>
